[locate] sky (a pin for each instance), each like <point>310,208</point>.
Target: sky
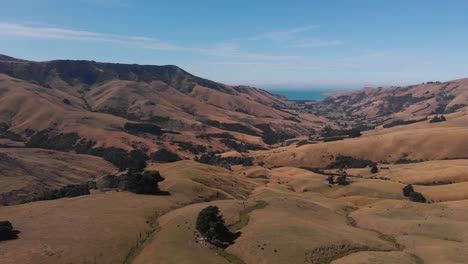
<point>269,44</point>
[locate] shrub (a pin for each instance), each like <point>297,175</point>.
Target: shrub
<point>374,169</point>
<point>66,101</point>
<point>164,155</point>
<point>211,225</point>
<point>330,179</point>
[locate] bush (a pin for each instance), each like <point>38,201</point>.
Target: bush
<point>6,230</point>
<point>374,169</point>
<point>164,155</point>
<point>211,225</point>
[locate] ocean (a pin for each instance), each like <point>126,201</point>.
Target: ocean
<point>316,95</point>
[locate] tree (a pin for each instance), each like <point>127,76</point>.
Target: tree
<point>137,161</point>
<point>6,230</point>
<point>144,183</point>
<point>164,155</point>
<point>211,225</point>
<point>343,178</point>
<point>330,179</point>
<point>407,190</point>
<point>374,169</point>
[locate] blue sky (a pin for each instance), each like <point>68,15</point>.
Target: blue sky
<point>269,44</point>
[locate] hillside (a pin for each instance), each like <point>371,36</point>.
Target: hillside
<point>296,182</point>
<point>375,106</point>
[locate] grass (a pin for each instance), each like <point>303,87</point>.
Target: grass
<point>244,216</point>
<point>143,240</point>
<point>417,259</point>
<point>231,258</point>
<point>345,253</point>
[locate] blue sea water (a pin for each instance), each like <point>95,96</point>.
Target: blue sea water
<point>316,95</point>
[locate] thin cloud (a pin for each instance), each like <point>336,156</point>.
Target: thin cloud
<point>284,35</point>
<point>137,42</point>
<point>315,43</point>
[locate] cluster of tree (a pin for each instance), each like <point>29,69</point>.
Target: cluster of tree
<point>329,132</point>
<point>271,137</point>
<point>210,224</point>
<point>71,190</point>
<point>211,158</point>
<point>414,196</point>
<point>236,127</point>
<point>164,155</point>
<point>146,182</point>
<point>217,135</point>
<point>240,147</point>
<point>143,128</point>
<point>46,140</point>
<point>5,133</point>
<point>437,119</point>
<point>341,179</point>
<point>135,159</point>
<point>6,231</point>
<point>400,122</point>
<point>189,146</point>
<point>342,162</point>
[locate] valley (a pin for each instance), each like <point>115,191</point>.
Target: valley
<point>301,181</point>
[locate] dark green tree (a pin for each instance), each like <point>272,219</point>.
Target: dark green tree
<point>143,183</point>
<point>6,230</point>
<point>211,225</point>
<point>330,179</point>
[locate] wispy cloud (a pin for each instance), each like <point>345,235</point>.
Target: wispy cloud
<point>138,42</point>
<point>284,35</point>
<point>315,43</point>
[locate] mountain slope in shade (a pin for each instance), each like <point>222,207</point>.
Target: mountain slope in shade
<point>96,100</point>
